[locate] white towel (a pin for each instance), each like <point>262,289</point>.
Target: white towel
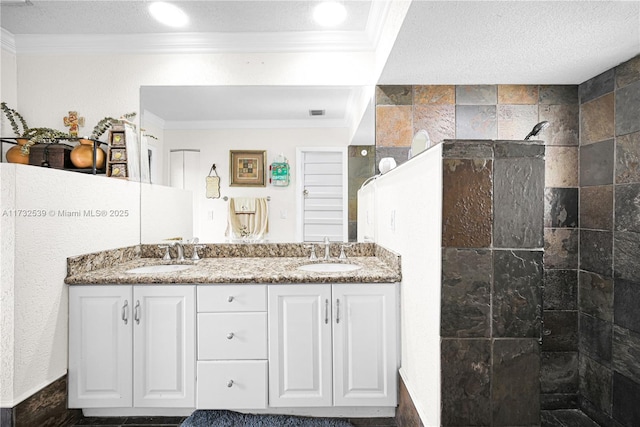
<point>248,226</point>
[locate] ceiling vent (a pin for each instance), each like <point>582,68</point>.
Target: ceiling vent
<point>16,2</point>
<point>313,113</point>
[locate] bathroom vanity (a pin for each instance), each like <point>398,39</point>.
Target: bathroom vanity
<point>252,333</point>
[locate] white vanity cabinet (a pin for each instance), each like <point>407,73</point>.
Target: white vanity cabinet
<point>232,347</point>
<point>132,346</point>
<point>333,345</point>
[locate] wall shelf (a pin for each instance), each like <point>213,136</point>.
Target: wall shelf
<point>91,170</point>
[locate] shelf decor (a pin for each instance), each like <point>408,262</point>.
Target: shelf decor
<point>247,168</point>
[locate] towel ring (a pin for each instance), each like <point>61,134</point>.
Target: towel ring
<point>225,198</point>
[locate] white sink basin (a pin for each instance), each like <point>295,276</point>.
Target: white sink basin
<point>329,267</point>
<point>170,268</point>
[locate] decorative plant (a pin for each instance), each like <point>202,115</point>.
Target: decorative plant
<point>33,135</point>
<point>42,136</point>
<point>106,123</point>
<point>15,119</point>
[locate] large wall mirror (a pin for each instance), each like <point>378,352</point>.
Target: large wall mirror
<point>191,128</point>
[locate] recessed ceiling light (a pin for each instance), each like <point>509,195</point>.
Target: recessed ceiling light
<point>168,14</point>
<point>329,13</point>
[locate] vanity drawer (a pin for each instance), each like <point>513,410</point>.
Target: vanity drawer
<point>232,336</point>
<point>232,385</point>
<point>224,298</point>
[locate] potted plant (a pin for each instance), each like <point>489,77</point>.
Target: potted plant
<point>20,127</point>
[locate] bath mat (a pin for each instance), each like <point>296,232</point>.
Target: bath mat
<point>235,419</point>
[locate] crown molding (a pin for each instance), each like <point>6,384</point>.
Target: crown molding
<point>377,18</point>
<point>7,41</point>
<point>254,124</point>
<point>166,43</point>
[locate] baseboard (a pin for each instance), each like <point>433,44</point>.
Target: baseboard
<point>46,407</point>
<point>415,410</point>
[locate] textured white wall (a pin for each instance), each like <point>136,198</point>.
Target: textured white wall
<point>7,252</point>
<point>214,145</point>
<point>408,220</point>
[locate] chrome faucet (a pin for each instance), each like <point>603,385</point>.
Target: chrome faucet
<point>327,247</point>
<point>180,248</point>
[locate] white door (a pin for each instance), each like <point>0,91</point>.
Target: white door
<point>100,342</point>
<point>322,194</point>
<point>365,345</point>
<point>299,345</point>
<point>164,346</point>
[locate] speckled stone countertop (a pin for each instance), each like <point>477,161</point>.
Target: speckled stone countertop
<point>228,263</point>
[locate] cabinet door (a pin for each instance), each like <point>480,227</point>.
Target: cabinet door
<point>100,343</point>
<point>164,346</point>
<point>365,345</point>
<point>299,345</point>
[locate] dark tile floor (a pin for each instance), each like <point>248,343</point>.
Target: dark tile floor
<point>176,421</point>
<point>566,418</point>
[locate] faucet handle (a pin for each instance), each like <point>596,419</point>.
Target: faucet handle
<point>167,256</point>
<point>312,256</point>
<point>194,256</point>
<point>342,248</point>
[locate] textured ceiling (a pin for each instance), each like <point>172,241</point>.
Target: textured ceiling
<point>526,42</point>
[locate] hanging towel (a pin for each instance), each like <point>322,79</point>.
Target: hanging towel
<point>245,205</point>
<point>248,226</point>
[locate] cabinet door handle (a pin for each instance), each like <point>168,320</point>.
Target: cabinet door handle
<point>230,299</point>
<point>230,335</point>
<point>125,312</point>
<point>136,312</point>
<point>337,311</point>
<point>230,383</point>
<point>326,311</point>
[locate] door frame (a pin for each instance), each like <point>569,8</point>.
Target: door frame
<point>300,188</point>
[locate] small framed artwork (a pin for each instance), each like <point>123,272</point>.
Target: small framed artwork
<point>247,168</point>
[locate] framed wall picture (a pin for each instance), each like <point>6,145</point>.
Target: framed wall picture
<point>247,168</point>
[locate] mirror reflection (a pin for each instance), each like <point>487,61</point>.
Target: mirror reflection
<point>324,134</point>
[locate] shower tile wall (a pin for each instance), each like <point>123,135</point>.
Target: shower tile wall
<point>510,112</point>
<point>361,160</point>
<point>492,275</point>
<point>609,280</point>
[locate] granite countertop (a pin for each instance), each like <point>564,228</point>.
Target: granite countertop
<point>109,268</point>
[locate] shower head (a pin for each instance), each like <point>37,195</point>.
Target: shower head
<point>537,129</point>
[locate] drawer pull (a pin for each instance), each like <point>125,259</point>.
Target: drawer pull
<point>230,383</point>
<point>230,299</point>
<point>230,335</point>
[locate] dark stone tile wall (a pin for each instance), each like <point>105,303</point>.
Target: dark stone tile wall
<point>609,279</point>
<point>492,276</point>
<point>509,112</point>
<point>361,166</point>
<point>506,112</point>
